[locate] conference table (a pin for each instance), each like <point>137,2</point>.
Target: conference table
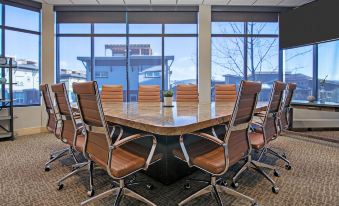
<point>167,124</point>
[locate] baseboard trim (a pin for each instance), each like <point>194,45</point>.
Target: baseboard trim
<point>29,131</point>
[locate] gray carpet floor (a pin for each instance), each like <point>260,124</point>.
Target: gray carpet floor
<point>314,179</point>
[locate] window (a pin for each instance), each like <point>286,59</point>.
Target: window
<point>298,68</point>
<point>244,49</point>
<point>22,42</point>
<point>328,64</point>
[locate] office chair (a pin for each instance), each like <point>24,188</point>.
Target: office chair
<point>70,129</point>
<point>187,93</point>
<point>215,156</point>
<point>225,92</point>
<point>149,93</point>
<point>52,124</point>
<point>264,132</point>
<point>112,93</point>
<point>286,108</point>
<point>121,157</point>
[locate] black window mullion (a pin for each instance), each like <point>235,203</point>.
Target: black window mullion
<point>163,60</point>
<point>315,71</point>
<point>92,53</point>
<point>245,52</point>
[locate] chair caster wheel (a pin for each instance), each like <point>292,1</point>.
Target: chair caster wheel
<point>187,186</point>
<point>150,186</point>
<point>276,173</point>
<point>255,204</point>
<point>60,186</point>
<point>90,193</point>
<point>284,155</point>
<point>47,169</point>
<point>288,167</point>
<point>51,157</point>
<point>235,185</point>
<point>224,183</point>
<point>275,189</point>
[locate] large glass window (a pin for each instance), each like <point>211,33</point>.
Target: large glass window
<point>328,71</point>
<point>22,42</point>
<point>298,68</point>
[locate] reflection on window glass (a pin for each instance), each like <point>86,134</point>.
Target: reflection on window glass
<point>110,61</point>
<point>75,61</point>
<point>78,28</point>
<point>24,48</point>
<point>227,61</point>
<point>145,56</point>
<point>22,18</point>
<point>145,28</point>
<point>180,28</point>
<point>298,68</point>
<point>328,64</point>
<point>263,63</point>
<point>115,28</point>
<point>228,27</point>
<point>180,61</point>
<point>263,28</point>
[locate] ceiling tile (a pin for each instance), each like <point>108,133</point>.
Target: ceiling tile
<point>215,2</point>
<point>138,2</point>
<point>294,2</point>
<point>112,2</point>
<point>85,2</point>
<point>190,2</point>
<point>241,2</point>
<point>163,2</point>
<point>267,2</point>
<point>58,1</point>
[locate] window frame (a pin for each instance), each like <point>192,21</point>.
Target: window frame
<point>5,28</point>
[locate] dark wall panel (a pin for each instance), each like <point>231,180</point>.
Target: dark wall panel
<point>309,24</point>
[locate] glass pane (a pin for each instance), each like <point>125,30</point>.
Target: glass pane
<point>110,61</point>
<point>75,61</point>
<point>180,61</point>
<point>328,64</point>
<point>109,28</point>
<point>263,28</point>
<point>75,28</point>
<point>22,18</point>
<point>145,28</point>
<point>180,28</point>
<point>298,68</point>
<point>145,63</point>
<point>228,28</point>
<point>227,61</point>
<point>25,49</point>
<point>263,63</point>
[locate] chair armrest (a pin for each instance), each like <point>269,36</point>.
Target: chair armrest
<point>119,143</point>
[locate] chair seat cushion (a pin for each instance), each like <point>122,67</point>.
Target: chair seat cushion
<point>204,154</point>
<point>257,140</point>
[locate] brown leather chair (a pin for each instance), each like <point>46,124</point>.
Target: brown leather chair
<point>264,132</point>
<point>225,92</point>
<point>52,124</point>
<point>286,108</point>
<point>215,156</point>
<point>112,93</point>
<point>187,93</point>
<point>70,129</point>
<point>120,157</point>
<point>149,93</point>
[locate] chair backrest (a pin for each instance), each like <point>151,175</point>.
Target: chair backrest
<point>225,92</point>
<point>237,137</point>
<point>112,93</point>
<point>149,93</point>
<point>97,139</point>
<point>271,120</point>
<point>287,105</point>
<point>51,115</point>
<point>187,93</point>
<point>68,125</point>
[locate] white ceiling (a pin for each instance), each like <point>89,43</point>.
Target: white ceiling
<point>289,3</point>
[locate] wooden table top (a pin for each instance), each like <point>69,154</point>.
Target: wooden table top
<point>180,119</point>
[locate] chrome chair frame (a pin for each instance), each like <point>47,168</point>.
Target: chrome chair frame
<point>256,163</point>
<point>213,186</point>
<point>122,189</point>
